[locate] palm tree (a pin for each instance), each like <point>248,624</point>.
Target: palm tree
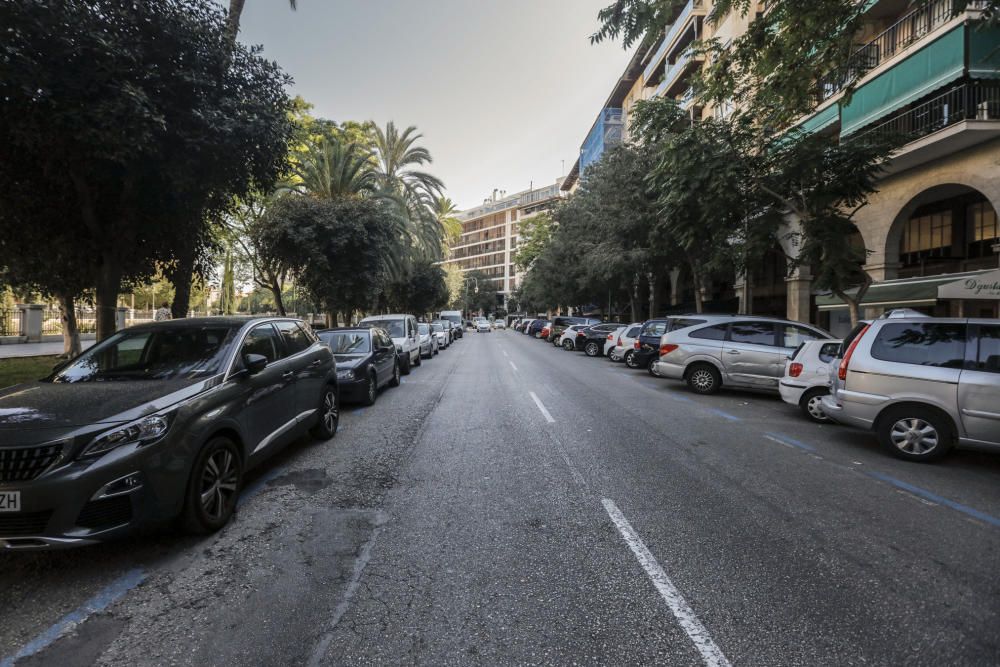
<point>333,168</point>
<point>445,211</point>
<point>236,11</point>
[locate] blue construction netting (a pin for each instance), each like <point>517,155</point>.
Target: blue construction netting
<point>606,133</point>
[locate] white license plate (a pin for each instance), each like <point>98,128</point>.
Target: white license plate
<point>10,501</point>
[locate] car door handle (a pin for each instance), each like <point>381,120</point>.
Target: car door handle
<point>288,376</point>
<point>732,352</point>
<point>316,364</point>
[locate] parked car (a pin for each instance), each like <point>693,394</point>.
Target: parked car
<point>455,317</point>
<point>428,340</point>
<point>561,323</point>
<point>807,377</point>
<point>536,326</point>
<point>526,325</point>
<point>567,340</point>
<point>499,324</point>
<point>594,338</point>
<point>403,329</point>
<point>736,351</point>
<point>646,346</point>
<point>443,331</point>
<point>159,421</point>
<point>924,385</point>
<point>625,341</point>
<point>366,361</point>
<point>482,325</point>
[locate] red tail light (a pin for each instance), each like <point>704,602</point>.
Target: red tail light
<point>580,334</point>
<point>545,332</point>
<point>611,337</point>
<point>795,370</point>
<point>619,343</point>
<point>636,344</point>
<point>842,372</point>
<point>666,349</point>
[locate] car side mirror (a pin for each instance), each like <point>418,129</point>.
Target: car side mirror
<point>255,363</point>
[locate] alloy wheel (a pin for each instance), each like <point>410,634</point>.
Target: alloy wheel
<point>219,481</point>
<point>630,360</point>
<point>914,436</point>
<point>372,388</point>
<point>331,412</point>
<point>702,379</point>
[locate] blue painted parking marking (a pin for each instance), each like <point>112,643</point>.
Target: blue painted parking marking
<point>255,488</point>
<point>104,599</point>
<point>933,497</point>
<point>790,442</point>
<point>725,415</point>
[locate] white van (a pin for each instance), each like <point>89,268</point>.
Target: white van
<point>456,317</point>
<point>405,335</point>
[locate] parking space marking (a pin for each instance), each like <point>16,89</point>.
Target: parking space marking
<point>933,497</point>
<point>688,620</point>
<point>545,412</point>
<point>255,488</point>
<point>789,442</point>
<point>104,599</point>
<point>512,365</point>
<point>725,415</point>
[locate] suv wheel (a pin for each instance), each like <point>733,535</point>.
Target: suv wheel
<point>394,382</point>
<point>703,379</point>
<point>630,359</point>
<point>213,488</point>
<point>810,405</point>
<point>329,415</point>
<point>591,349</point>
<point>915,433</point>
<point>567,345</point>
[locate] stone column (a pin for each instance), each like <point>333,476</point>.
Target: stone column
<point>740,287</point>
<point>31,321</point>
<point>675,287</point>
<point>120,315</point>
<point>798,288</point>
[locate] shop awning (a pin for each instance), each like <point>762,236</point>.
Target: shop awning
<point>904,292</point>
<point>933,66</point>
<point>985,286</point>
<point>821,119</point>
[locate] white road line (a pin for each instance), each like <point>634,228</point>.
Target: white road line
<point>538,402</point>
<point>710,652</point>
<point>512,365</point>
<point>504,352</point>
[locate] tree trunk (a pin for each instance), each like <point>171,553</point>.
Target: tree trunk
<point>278,303</point>
<point>109,282</point>
<point>652,294</point>
<point>70,331</point>
<point>181,278</point>
<point>233,20</point>
<point>699,306</point>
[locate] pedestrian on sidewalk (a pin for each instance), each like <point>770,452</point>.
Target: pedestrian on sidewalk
<point>162,313</point>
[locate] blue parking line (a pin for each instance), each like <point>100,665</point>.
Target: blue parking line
<point>104,599</point>
<point>358,411</point>
<point>791,442</point>
<point>933,497</point>
<point>725,415</point>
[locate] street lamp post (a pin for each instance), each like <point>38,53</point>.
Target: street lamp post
<point>466,285</point>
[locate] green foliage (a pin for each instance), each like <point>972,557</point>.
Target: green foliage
<point>479,292</point>
<point>534,234</point>
<point>422,291</point>
<point>635,20</point>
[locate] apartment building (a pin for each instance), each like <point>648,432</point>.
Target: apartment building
<point>490,234</point>
<point>931,230</point>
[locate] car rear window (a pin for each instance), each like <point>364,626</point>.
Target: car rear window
<point>684,323</point>
<point>922,344</point>
<point>988,359</point>
<point>633,332</point>
<point>828,352</point>
<point>654,329</point>
<point>717,332</point>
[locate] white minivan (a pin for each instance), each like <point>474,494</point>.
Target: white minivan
<point>405,335</point>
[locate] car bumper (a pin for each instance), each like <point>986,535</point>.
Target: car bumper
<point>835,409</point>
<point>76,504</point>
<point>352,390</point>
<point>665,369</point>
<point>791,392</point>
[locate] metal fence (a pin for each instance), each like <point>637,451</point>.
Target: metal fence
<point>966,102</point>
<point>10,322</point>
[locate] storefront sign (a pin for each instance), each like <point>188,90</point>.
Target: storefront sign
<point>984,286</point>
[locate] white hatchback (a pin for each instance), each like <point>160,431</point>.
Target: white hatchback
<point>807,377</point>
<point>624,341</point>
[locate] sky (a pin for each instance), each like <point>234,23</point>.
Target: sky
<point>503,91</point>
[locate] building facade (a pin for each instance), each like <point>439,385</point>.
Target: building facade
<point>489,237</point>
<point>927,71</point>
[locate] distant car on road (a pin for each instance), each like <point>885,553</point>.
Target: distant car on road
<point>403,329</point>
<point>366,361</point>
<point>455,317</point>
<point>158,421</point>
<point>499,324</point>
<point>483,325</point>
<point>536,326</point>
<point>443,331</point>
<point>807,377</point>
<point>428,340</point>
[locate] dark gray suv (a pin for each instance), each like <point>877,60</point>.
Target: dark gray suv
<point>157,422</point>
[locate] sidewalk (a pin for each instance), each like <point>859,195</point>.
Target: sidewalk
<point>36,349</point>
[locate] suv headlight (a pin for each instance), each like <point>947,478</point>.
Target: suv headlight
<point>142,431</point>
<point>345,373</point>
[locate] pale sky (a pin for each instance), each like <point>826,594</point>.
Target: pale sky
<point>502,90</point>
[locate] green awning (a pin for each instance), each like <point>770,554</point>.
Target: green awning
<point>933,66</point>
<point>984,52</point>
<point>821,119</point>
<point>920,291</point>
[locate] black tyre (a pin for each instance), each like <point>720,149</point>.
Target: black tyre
<point>394,381</point>
<point>371,391</point>
<point>404,368</point>
<point>329,415</point>
<point>810,405</point>
<point>703,379</point>
<point>651,367</point>
<point>567,345</point>
<point>630,359</point>
<point>420,358</point>
<point>592,349</point>
<point>213,488</point>
<point>915,432</point>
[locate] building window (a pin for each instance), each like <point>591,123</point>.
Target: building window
<point>985,229</point>
<point>927,236</point>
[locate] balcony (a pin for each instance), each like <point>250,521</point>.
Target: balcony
<point>675,80</point>
<point>693,8</point>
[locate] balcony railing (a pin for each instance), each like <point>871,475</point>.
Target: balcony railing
<point>966,102</point>
<point>910,28</point>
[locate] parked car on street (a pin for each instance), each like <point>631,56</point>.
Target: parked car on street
<point>625,341</point>
<point>560,324</point>
<point>158,421</point>
<point>443,331</point>
<point>366,361</point>
<point>536,326</point>
<point>567,340</point>
<point>807,377</point>
<point>595,337</point>
<point>924,385</point>
<point>526,325</point>
<point>736,351</point>
<point>403,329</point>
<point>455,317</point>
<point>428,340</point>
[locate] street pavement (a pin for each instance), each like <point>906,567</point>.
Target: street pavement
<point>513,503</point>
<point>48,348</point>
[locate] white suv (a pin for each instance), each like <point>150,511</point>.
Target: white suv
<point>403,330</point>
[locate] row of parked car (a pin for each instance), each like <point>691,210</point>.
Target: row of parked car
<point>161,422</point>
<point>924,385</point>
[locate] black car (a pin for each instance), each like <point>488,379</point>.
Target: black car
<point>592,339</point>
<point>646,348</point>
<point>157,422</point>
<point>366,361</point>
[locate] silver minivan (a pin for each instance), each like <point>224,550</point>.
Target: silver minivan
<point>737,351</point>
<point>923,385</point>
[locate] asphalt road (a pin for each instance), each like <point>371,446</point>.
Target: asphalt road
<point>513,503</point>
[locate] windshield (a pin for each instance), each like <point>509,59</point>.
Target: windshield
<point>347,342</point>
<point>452,318</point>
<point>394,327</point>
<point>437,327</point>
<point>424,329</point>
<point>153,354</point>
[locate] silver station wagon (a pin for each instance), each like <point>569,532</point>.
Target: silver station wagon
<point>922,384</point>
